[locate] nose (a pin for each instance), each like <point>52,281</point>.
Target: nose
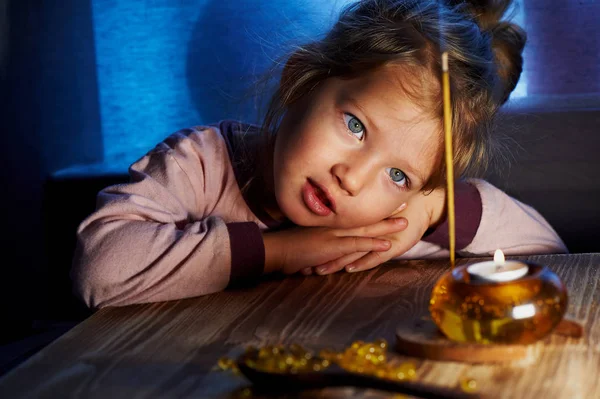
<point>352,175</point>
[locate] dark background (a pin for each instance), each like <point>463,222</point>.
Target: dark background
<point>88,86</point>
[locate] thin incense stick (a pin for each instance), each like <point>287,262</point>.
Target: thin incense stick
<point>449,164</point>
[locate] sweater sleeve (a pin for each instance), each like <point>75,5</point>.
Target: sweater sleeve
<point>510,225</point>
<point>488,219</point>
<point>161,236</point>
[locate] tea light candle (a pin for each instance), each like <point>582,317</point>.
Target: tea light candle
<point>498,269</point>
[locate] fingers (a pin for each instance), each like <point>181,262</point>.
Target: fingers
<point>385,227</point>
<point>368,261</point>
<point>349,245</point>
<point>307,271</point>
<point>338,264</point>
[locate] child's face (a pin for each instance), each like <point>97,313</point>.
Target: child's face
<point>363,141</point>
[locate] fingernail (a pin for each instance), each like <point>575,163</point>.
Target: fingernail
<point>400,221</point>
<point>322,269</point>
<point>385,244</point>
<point>401,207</point>
<point>350,268</point>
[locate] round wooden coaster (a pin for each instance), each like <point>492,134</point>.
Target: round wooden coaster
<point>569,328</point>
<point>421,338</point>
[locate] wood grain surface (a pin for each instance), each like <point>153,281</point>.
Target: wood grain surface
<point>170,349</point>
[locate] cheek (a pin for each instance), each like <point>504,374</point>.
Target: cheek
<point>380,203</point>
<point>313,147</point>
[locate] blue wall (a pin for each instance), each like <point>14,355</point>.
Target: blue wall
<point>164,65</point>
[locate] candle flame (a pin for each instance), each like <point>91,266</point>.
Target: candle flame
<point>499,257</point>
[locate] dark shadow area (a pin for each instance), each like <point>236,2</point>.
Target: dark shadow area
<point>554,166</point>
<point>50,119</point>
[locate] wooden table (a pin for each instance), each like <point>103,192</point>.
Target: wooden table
<point>168,349</point>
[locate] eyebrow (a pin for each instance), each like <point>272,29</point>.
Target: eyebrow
<point>372,124</point>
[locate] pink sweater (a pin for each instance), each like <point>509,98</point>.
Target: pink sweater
<point>182,227</point>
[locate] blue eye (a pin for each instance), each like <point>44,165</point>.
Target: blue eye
<point>355,126</point>
<point>397,176</point>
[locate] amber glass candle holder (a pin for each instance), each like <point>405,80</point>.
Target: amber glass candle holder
<point>520,311</point>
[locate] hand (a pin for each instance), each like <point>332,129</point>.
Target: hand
<point>304,247</point>
<point>422,212</point>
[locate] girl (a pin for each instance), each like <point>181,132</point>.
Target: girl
<point>345,172</point>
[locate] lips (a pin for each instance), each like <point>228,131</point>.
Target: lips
<point>317,199</point>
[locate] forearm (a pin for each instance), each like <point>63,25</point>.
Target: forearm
<point>123,262</point>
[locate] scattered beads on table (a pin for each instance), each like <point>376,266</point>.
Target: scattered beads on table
<point>369,358</point>
<point>468,385</point>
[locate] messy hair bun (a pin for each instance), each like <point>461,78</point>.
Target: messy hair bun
<point>508,39</point>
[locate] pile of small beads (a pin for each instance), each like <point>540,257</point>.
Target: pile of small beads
<point>371,358</point>
<point>294,359</point>
<point>361,357</point>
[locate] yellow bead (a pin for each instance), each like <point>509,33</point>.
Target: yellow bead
<point>363,350</point>
<point>276,350</point>
<point>398,375</point>
<point>409,369</point>
<point>357,344</point>
<point>289,359</point>
<point>225,363</point>
<point>468,385</point>
<point>281,365</point>
<point>381,343</point>
<point>264,352</point>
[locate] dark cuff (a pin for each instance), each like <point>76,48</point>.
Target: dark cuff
<point>247,251</point>
<point>467,209</point>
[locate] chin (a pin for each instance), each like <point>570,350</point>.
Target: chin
<point>297,215</point>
